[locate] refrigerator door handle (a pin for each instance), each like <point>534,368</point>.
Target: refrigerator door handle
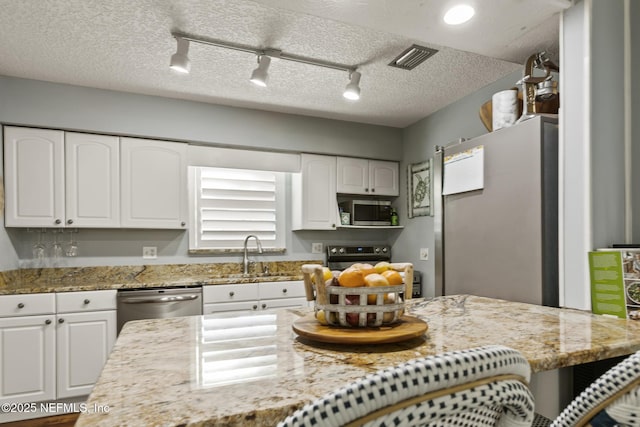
<point>438,219</point>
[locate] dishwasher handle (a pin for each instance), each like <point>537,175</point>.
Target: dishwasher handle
<point>159,299</point>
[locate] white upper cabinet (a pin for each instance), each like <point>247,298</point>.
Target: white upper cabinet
<point>353,175</point>
<point>370,177</point>
<point>154,183</point>
<point>92,169</point>
<point>34,177</point>
<point>313,193</point>
<point>384,178</point>
<point>57,179</point>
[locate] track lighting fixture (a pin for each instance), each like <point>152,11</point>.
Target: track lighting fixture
<point>352,90</point>
<point>261,74</point>
<point>180,61</point>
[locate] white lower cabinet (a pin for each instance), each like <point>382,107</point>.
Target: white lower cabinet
<point>84,341</point>
<point>252,297</point>
<point>27,359</point>
<point>53,346</point>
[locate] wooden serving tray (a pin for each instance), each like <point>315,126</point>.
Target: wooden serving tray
<point>408,327</point>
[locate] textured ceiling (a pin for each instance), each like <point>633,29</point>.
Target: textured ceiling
<point>125,45</point>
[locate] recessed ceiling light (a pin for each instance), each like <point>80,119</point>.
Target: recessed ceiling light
<point>459,14</point>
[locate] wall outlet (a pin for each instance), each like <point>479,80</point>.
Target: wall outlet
<point>424,254</point>
<point>316,248</point>
<point>149,252</point>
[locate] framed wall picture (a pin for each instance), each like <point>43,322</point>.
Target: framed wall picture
<point>420,180</point>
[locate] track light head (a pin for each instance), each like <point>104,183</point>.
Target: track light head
<point>260,75</point>
<point>352,90</point>
<point>180,60</point>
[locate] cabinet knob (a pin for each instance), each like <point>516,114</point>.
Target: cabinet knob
<point>21,305</point>
<point>284,290</point>
<point>69,221</point>
<point>47,322</point>
<point>87,301</point>
<point>58,221</point>
<point>61,320</point>
<point>183,223</point>
<point>264,306</point>
<point>373,190</point>
<point>231,293</point>
<point>333,226</point>
<point>255,306</point>
<point>366,190</point>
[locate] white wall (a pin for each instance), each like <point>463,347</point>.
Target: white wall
<point>460,119</point>
<point>43,104</point>
<point>594,123</point>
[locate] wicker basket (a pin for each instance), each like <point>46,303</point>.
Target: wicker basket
<point>339,313</point>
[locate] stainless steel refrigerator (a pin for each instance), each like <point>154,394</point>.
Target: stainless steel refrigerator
<point>496,214</point>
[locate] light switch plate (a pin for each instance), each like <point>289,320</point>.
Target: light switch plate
<point>149,252</point>
<point>316,248</point>
<point>424,254</point>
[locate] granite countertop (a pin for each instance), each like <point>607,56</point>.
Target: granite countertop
<point>195,371</point>
<point>45,280</point>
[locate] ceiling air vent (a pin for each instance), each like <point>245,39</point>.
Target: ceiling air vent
<point>412,57</point>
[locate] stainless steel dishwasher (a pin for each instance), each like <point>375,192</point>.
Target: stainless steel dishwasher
<point>140,304</point>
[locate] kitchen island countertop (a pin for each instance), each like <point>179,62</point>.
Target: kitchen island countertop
<point>200,370</point>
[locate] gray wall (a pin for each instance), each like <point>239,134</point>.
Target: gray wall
<point>635,123</point>
<point>607,122</point>
<point>460,119</point>
<point>43,104</point>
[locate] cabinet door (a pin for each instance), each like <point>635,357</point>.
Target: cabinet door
<point>92,170</point>
<point>383,178</point>
<point>84,341</point>
<point>154,184</point>
<point>314,205</point>
<point>27,359</point>
<point>353,176</point>
<point>34,177</point>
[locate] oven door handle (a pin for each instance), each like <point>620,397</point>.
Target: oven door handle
<point>158,300</point>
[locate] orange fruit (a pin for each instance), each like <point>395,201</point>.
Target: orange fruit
<point>375,279</point>
<point>382,266</point>
<point>351,278</point>
<point>365,268</point>
<point>393,277</point>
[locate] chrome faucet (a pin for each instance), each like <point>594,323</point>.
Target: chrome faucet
<point>245,260</point>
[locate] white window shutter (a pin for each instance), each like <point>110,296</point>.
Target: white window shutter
<point>230,204</point>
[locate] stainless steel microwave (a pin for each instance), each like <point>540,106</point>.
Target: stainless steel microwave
<point>368,212</point>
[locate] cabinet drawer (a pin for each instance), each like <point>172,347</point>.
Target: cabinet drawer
<point>290,289</point>
<point>272,304</point>
<point>27,304</point>
<point>229,293</point>
<point>240,307</point>
<point>68,302</point>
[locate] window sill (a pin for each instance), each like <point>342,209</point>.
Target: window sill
<point>252,250</point>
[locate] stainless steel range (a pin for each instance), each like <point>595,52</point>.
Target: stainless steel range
<point>341,257</point>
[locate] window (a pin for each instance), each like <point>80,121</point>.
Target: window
<point>230,204</point>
